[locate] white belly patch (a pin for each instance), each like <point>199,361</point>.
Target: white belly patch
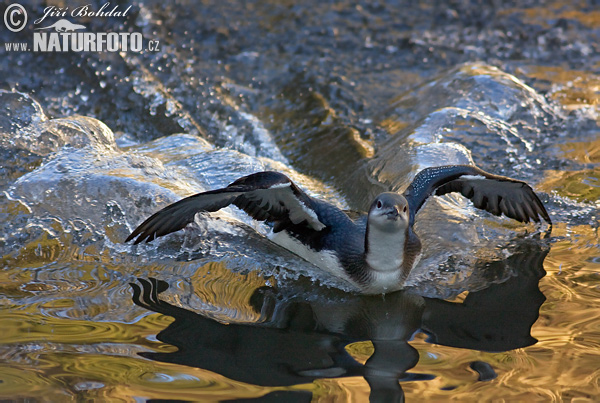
<point>386,279</point>
<point>325,260</point>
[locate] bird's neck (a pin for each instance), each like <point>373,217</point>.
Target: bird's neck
<point>384,250</point>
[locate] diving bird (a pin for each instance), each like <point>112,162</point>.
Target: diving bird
<point>373,251</point>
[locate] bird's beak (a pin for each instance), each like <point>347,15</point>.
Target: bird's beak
<point>392,214</point>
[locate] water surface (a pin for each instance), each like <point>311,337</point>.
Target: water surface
<point>348,99</point>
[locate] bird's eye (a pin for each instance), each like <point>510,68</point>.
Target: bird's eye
<point>404,209</point>
<point>379,205</point>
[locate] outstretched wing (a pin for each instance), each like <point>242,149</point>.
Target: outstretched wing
<point>494,193</point>
<point>265,196</point>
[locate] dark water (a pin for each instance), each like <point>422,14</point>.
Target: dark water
<point>348,99</point>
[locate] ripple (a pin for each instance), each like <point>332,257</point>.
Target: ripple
<point>348,101</point>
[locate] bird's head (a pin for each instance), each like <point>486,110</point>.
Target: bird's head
<point>389,212</point>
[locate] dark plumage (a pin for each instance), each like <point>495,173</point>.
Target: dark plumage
<point>493,193</point>
<point>373,251</point>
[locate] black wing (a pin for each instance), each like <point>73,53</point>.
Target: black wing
<point>494,193</point>
<point>265,196</point>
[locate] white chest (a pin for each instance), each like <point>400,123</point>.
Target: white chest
<point>386,250</point>
<point>385,259</point>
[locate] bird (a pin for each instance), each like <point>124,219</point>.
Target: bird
<point>374,251</point>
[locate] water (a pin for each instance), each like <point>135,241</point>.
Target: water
<point>348,100</point>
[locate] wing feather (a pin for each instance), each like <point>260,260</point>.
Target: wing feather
<point>265,196</point>
<point>493,193</point>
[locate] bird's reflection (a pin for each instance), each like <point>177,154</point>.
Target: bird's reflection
<point>303,337</point>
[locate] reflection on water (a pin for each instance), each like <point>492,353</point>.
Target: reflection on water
<point>306,336</point>
<point>348,99</point>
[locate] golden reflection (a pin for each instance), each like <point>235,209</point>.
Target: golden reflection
<point>229,291</point>
<point>393,126</point>
<point>589,18</point>
<point>44,249</point>
<point>576,250</point>
<point>60,369</point>
<point>363,146</point>
<point>576,88</point>
<point>27,325</point>
<point>113,377</point>
<point>361,350</point>
<point>555,10</point>
<point>352,389</point>
<point>582,151</point>
<point>583,186</point>
<point>451,370</point>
